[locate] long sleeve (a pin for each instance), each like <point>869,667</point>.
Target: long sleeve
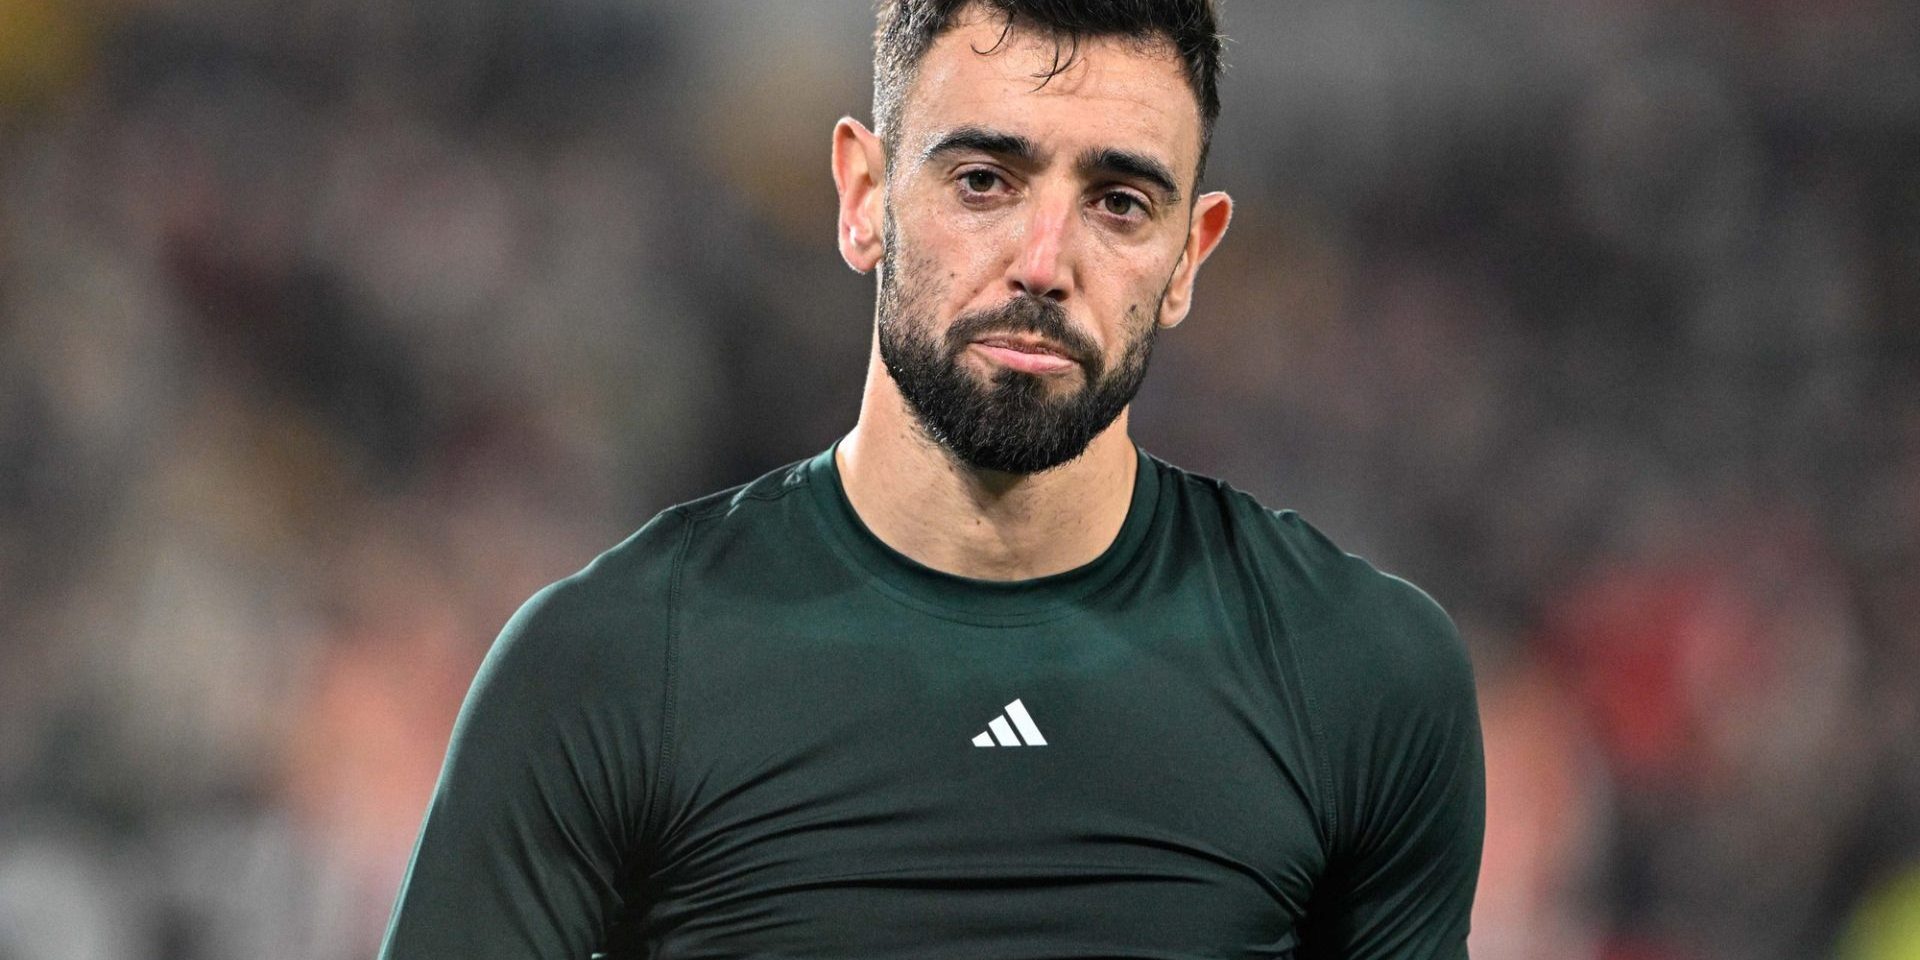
<point>535,841</point>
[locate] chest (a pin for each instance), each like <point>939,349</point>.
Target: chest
<point>855,777</point>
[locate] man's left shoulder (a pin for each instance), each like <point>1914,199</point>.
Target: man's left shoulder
<point>1342,614</point>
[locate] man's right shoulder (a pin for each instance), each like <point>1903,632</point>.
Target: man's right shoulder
<point>639,577</point>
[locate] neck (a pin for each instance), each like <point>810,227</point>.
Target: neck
<point>919,500</point>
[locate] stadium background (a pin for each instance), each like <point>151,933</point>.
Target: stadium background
<point>331,329</point>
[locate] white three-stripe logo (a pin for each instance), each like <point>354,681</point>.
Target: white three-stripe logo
<point>999,733</point>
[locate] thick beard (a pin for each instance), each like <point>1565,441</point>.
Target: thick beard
<point>1010,423</point>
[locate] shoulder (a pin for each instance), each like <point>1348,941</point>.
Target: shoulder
<point>1383,674</point>
<point>743,503</point>
<point>607,622</point>
<point>627,595</point>
<point>1360,633</point>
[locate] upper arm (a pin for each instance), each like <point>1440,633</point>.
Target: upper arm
<point>535,834</point>
<point>1408,787</point>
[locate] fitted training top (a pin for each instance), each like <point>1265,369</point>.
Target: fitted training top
<point>754,730</point>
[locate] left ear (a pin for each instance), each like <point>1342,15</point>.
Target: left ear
<point>1211,214</point>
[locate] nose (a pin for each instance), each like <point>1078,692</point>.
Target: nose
<point>1041,266</point>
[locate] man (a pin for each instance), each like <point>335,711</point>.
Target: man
<point>983,679</point>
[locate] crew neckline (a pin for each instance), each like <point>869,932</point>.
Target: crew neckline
<point>970,599</point>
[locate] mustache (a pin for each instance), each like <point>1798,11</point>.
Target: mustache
<point>1027,314</point>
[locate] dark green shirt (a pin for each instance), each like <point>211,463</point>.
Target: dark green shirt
<point>753,730</point>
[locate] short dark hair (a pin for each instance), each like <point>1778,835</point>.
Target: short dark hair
<point>908,28</point>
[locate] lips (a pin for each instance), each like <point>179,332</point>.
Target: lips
<point>1025,354</point>
<point>1025,344</point>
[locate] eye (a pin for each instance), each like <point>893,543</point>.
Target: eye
<point>1121,204</point>
<point>979,180</point>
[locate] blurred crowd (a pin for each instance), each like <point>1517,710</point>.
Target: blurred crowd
<point>332,329</point>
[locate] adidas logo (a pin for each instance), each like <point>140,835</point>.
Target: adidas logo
<point>999,733</point>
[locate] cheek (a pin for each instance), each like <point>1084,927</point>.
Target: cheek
<point>953,263</point>
<point>1141,308</point>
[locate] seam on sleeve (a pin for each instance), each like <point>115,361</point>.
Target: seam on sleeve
<point>1323,765</point>
<point>657,792</point>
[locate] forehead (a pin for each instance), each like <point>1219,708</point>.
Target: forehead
<point>1119,92</point>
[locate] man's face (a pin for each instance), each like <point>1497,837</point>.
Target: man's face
<point>1032,234</point>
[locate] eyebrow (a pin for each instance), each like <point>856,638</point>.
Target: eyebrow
<point>1110,161</point>
<point>1137,166</point>
<point>981,140</point>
